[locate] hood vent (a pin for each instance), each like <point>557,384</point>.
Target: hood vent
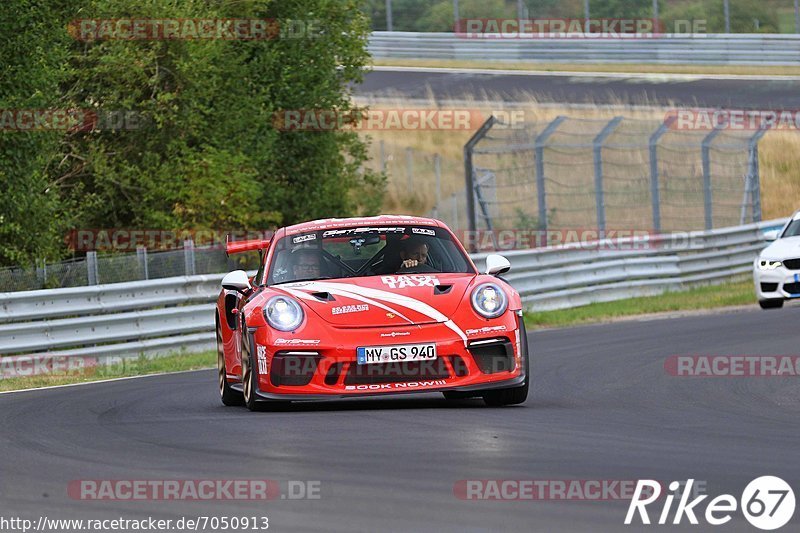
<point>323,296</point>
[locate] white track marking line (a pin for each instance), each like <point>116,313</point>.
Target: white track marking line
<point>106,380</point>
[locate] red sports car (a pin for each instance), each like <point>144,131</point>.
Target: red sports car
<point>369,306</point>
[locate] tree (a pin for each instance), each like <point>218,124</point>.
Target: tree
<point>32,56</point>
<point>203,151</point>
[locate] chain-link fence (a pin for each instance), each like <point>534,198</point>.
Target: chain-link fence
<point>617,174</point>
<point>95,268</point>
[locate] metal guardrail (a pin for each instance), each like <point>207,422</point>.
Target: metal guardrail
<point>160,316</point>
<point>704,49</point>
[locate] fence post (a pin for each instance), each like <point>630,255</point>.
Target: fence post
<point>754,173</point>
<point>92,277</point>
<point>41,272</point>
<point>410,168</point>
<point>727,13</point>
<point>484,208</point>
<point>470,178</point>
<point>655,193</point>
<point>141,256</point>
<point>454,201</point>
<point>538,145</point>
<point>389,24</point>
<point>707,198</point>
<point>597,149</point>
<point>437,170</point>
<point>188,256</point>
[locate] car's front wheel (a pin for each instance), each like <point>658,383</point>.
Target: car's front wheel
<point>513,395</point>
<point>775,303</point>
<point>228,396</point>
<point>249,374</point>
<point>250,379</point>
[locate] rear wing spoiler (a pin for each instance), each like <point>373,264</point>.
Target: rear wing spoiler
<point>238,247</point>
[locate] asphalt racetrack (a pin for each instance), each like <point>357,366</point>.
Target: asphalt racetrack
<point>768,93</point>
<point>602,408</point>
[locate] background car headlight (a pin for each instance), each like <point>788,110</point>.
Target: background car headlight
<point>768,264</point>
<point>489,300</point>
<point>283,313</point>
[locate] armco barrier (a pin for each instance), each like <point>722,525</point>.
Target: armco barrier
<point>710,49</point>
<point>165,315</point>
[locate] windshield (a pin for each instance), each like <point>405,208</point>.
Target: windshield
<point>793,229</point>
<point>365,251</point>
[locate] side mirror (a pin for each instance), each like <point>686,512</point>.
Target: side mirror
<point>236,281</point>
<point>771,235</point>
<point>497,264</point>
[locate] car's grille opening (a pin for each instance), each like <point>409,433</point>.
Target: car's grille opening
<point>396,372</point>
<point>493,357</point>
<point>769,287</point>
<point>293,368</point>
<point>792,288</point>
<point>332,376</point>
<point>459,366</point>
<point>792,264</point>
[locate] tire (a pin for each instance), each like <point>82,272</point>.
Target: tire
<point>249,373</point>
<point>513,395</point>
<point>250,380</point>
<point>771,304</point>
<point>228,396</point>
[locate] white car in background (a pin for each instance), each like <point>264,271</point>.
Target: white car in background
<point>776,271</point>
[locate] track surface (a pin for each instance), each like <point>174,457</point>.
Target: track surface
<point>602,407</point>
<point>651,90</point>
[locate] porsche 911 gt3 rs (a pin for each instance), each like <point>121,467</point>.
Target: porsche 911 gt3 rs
<point>369,306</point>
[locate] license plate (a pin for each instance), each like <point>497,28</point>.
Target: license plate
<point>399,353</point>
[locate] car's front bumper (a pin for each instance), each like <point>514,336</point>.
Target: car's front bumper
<point>777,284</point>
<point>490,359</point>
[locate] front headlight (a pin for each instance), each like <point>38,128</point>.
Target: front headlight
<point>489,300</point>
<point>283,313</point>
<point>768,264</point>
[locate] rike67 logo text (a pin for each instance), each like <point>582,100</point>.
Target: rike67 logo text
<point>767,503</point>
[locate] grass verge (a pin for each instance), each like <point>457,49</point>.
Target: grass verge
<point>595,67</point>
<point>711,297</point>
<point>128,367</point>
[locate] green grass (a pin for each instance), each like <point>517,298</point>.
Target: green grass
<point>129,367</point>
<point>710,297</point>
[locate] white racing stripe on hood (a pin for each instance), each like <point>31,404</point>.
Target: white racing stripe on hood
<point>355,291</point>
<point>300,294</point>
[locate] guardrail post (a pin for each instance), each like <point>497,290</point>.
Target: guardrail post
<point>141,256</point>
<point>597,149</point>
<point>655,193</point>
<point>469,174</point>
<point>707,198</point>
<point>188,256</point>
<point>538,146</point>
<point>754,174</point>
<point>92,277</point>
